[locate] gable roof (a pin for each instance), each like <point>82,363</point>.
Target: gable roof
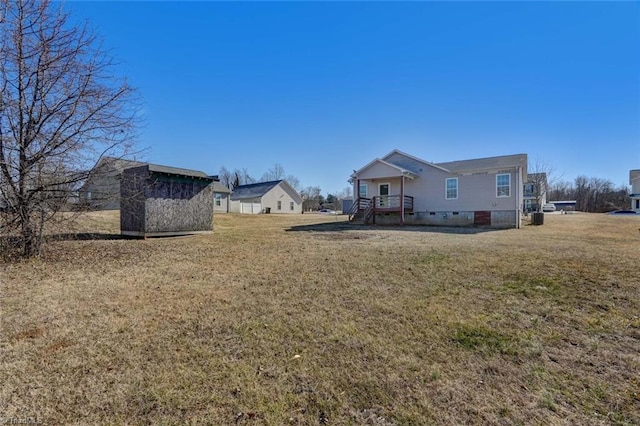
<point>386,163</point>
<point>219,187</point>
<point>411,157</point>
<point>488,163</point>
<point>253,190</point>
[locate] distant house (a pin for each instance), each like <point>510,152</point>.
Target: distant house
<point>402,189</point>
<point>634,181</point>
<point>534,191</point>
<point>159,200</point>
<point>265,197</point>
<point>101,191</point>
<point>220,197</point>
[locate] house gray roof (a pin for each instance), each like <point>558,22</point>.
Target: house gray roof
<point>253,190</point>
<point>501,162</point>
<point>220,188</point>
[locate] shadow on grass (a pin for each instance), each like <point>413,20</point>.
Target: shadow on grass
<point>86,236</point>
<point>346,226</point>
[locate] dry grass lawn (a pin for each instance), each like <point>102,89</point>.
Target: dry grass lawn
<point>305,320</point>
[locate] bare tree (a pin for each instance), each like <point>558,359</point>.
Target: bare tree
<point>274,173</point>
<point>61,109</point>
<point>311,197</point>
<point>540,178</point>
<point>225,176</point>
<point>294,182</point>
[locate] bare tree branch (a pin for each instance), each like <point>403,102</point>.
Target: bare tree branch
<point>61,108</point>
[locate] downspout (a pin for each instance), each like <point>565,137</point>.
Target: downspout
<point>402,199</point>
<point>518,197</point>
<point>357,192</point>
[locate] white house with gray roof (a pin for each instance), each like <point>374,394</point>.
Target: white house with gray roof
<point>402,189</point>
<point>634,181</point>
<point>266,197</point>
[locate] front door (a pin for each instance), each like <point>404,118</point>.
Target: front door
<point>383,191</point>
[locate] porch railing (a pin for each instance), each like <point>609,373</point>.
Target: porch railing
<point>392,203</point>
<point>367,207</point>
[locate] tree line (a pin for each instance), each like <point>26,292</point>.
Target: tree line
<point>592,194</point>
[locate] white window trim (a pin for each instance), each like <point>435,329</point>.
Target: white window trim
<point>446,192</point>
<point>279,205</point>
<point>291,206</point>
<point>497,177</point>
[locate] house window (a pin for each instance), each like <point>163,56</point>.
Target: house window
<point>279,205</point>
<point>451,189</point>
<point>503,185</point>
<point>363,190</point>
<point>291,205</point>
<point>218,198</point>
<point>528,190</point>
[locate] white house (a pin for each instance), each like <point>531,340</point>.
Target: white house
<point>402,189</point>
<point>634,181</point>
<point>265,197</point>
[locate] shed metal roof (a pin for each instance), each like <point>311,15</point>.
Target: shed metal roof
<point>156,168</point>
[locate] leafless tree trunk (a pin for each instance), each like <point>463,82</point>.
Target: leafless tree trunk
<point>540,177</point>
<point>61,109</point>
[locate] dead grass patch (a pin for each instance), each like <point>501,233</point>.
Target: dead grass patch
<point>279,319</point>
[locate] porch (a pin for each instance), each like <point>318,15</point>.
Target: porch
<point>366,208</point>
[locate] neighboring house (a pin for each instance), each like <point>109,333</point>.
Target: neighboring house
<point>265,197</point>
<point>402,189</point>
<point>101,191</point>
<point>634,181</point>
<point>221,195</point>
<point>158,200</point>
<point>535,192</point>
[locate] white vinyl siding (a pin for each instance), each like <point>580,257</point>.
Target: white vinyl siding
<point>451,189</point>
<point>503,185</point>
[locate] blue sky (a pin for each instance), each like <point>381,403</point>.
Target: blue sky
<point>324,87</point>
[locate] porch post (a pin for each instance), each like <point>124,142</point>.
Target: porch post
<point>402,200</point>
<point>358,189</point>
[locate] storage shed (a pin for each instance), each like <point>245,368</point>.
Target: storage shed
<point>162,201</point>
